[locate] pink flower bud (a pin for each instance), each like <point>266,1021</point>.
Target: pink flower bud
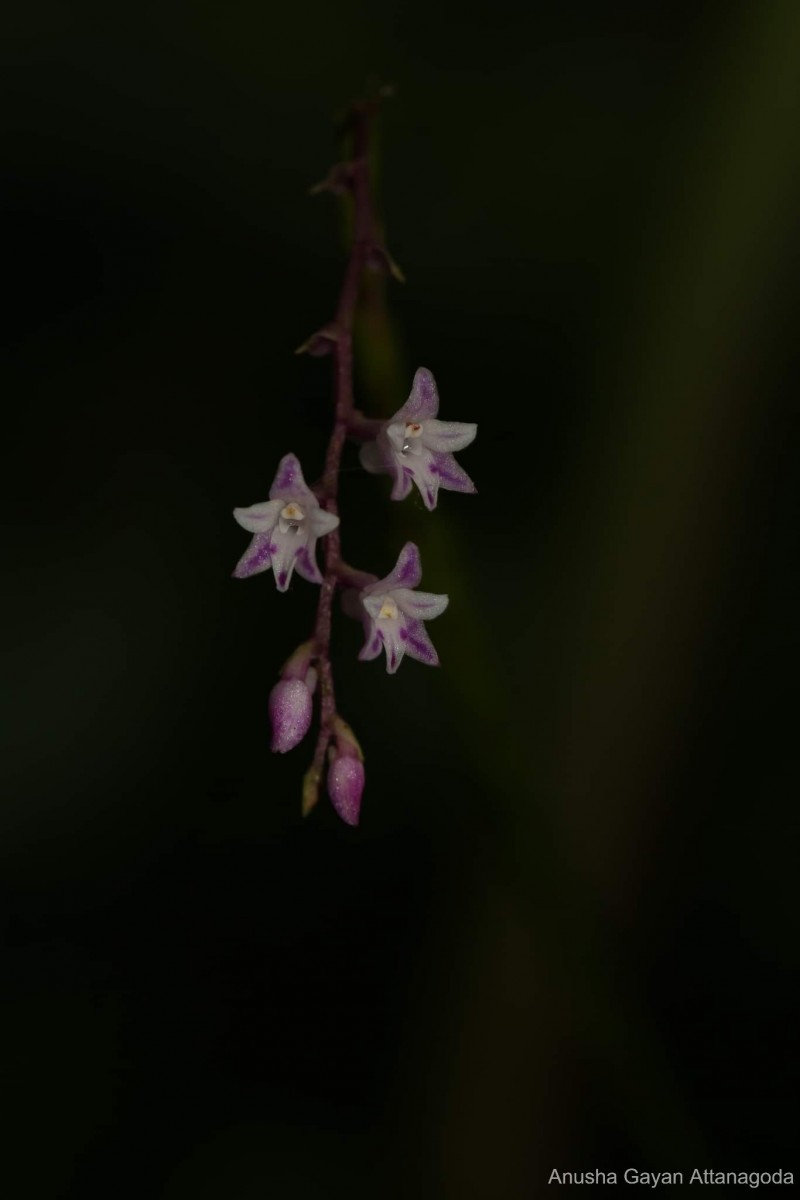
<point>290,713</point>
<point>345,786</point>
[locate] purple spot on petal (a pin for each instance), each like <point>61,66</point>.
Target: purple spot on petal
<point>282,578</point>
<point>255,558</point>
<point>288,475</point>
<point>434,470</point>
<point>403,634</point>
<point>307,564</point>
<point>273,549</point>
<point>445,475</point>
<point>452,475</point>
<point>380,634</point>
<point>423,650</point>
<point>425,388</point>
<point>408,566</point>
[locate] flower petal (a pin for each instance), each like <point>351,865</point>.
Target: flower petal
<point>423,402</point>
<point>256,558</point>
<point>447,436</point>
<point>426,477</point>
<point>306,564</point>
<point>421,606</point>
<point>451,476</point>
<point>401,486</point>
<point>373,603</point>
<point>418,645</point>
<point>393,634</point>
<point>284,557</point>
<point>372,646</point>
<point>258,518</point>
<point>289,483</point>
<point>407,571</point>
<point>372,458</point>
<point>322,522</point>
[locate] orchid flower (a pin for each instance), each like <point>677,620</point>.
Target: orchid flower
<point>415,447</point>
<point>394,612</point>
<point>285,528</point>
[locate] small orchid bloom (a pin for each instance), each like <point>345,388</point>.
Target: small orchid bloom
<point>414,447</point>
<point>285,528</point>
<point>394,613</point>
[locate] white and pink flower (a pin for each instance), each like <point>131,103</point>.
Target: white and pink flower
<point>285,528</point>
<point>394,614</point>
<point>415,447</point>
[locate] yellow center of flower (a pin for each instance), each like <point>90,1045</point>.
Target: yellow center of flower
<point>388,609</point>
<point>292,516</point>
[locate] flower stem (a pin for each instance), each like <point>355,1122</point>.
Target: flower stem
<point>359,119</point>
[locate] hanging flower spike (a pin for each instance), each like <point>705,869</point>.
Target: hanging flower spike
<point>394,613</point>
<point>414,447</point>
<point>285,528</point>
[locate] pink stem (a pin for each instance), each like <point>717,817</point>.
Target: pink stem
<point>327,491</point>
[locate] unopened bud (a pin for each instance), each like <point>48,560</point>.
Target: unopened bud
<point>290,713</point>
<point>345,787</point>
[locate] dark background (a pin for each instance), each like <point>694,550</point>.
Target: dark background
<point>565,934</point>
